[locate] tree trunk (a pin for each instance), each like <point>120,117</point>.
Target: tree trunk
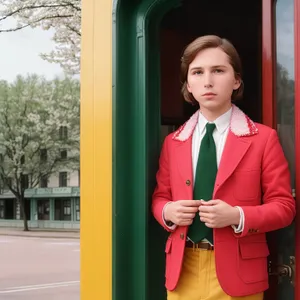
<point>22,206</point>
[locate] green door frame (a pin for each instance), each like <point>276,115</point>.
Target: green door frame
<point>137,273</point>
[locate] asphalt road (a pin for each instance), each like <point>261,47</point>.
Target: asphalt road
<point>39,268</point>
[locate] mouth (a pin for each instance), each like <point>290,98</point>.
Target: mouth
<point>209,94</point>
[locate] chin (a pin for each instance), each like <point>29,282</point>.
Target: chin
<point>214,105</point>
<point>211,105</point>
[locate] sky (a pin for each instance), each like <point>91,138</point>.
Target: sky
<point>20,50</point>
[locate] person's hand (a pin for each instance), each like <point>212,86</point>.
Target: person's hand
<point>218,214</point>
<point>181,212</point>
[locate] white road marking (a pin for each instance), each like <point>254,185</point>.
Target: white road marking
<point>27,288</point>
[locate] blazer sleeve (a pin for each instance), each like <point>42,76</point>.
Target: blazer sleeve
<point>278,207</point>
<point>162,193</point>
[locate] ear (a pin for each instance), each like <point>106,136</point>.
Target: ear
<point>237,83</point>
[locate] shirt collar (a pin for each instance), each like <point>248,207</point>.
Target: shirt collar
<point>222,122</point>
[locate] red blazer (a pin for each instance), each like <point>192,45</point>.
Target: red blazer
<point>254,175</point>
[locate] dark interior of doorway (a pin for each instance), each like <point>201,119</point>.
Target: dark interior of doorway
<point>238,21</point>
<point>241,23</point>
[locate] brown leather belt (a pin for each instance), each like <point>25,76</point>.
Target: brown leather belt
<point>200,245</point>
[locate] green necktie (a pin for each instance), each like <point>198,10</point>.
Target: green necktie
<point>206,172</point>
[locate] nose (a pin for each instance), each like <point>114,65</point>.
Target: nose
<point>208,82</point>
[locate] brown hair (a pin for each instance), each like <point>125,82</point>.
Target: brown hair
<point>205,42</point>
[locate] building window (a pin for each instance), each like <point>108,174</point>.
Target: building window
<point>77,208</point>
<point>63,154</point>
<point>43,209</point>
<point>62,210</point>
<point>43,154</point>
<point>63,179</point>
<point>2,209</point>
<point>25,181</point>
<point>22,159</point>
<point>67,209</point>
<point>44,181</point>
<point>63,132</point>
<point>8,209</point>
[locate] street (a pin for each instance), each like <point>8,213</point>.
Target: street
<point>39,268</point>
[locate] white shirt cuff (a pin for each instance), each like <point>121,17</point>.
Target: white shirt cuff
<point>172,227</point>
<point>240,228</point>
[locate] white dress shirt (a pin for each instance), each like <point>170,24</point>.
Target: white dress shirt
<point>220,136</point>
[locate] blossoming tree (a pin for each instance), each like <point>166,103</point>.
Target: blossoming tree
<point>38,120</point>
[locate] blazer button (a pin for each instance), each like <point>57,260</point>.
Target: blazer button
<point>182,236</point>
<point>188,182</point>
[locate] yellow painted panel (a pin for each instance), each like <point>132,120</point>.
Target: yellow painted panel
<point>96,152</point>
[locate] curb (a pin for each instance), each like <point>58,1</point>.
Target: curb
<point>40,236</point>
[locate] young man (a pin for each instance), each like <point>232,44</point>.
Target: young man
<point>222,183</point>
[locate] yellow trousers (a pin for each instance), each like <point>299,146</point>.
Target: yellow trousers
<point>198,279</point>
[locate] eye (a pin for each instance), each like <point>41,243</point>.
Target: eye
<point>198,72</point>
<point>218,71</point>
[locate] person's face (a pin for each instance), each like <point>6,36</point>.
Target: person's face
<point>211,80</point>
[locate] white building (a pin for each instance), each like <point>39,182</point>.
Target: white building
<point>54,203</point>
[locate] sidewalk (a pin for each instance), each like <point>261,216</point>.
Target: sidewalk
<point>40,233</point>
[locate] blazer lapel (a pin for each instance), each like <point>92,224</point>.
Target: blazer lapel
<point>184,164</point>
<point>234,151</point>
<point>235,148</point>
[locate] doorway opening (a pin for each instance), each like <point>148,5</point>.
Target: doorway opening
<point>240,23</point>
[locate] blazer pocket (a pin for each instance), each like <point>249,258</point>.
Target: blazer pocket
<point>168,249</point>
<point>252,263</point>
<point>246,185</point>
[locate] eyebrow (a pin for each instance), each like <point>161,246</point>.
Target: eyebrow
<point>213,67</point>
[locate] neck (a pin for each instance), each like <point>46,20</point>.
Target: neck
<point>212,115</point>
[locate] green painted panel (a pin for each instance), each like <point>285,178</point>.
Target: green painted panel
<point>138,256</point>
